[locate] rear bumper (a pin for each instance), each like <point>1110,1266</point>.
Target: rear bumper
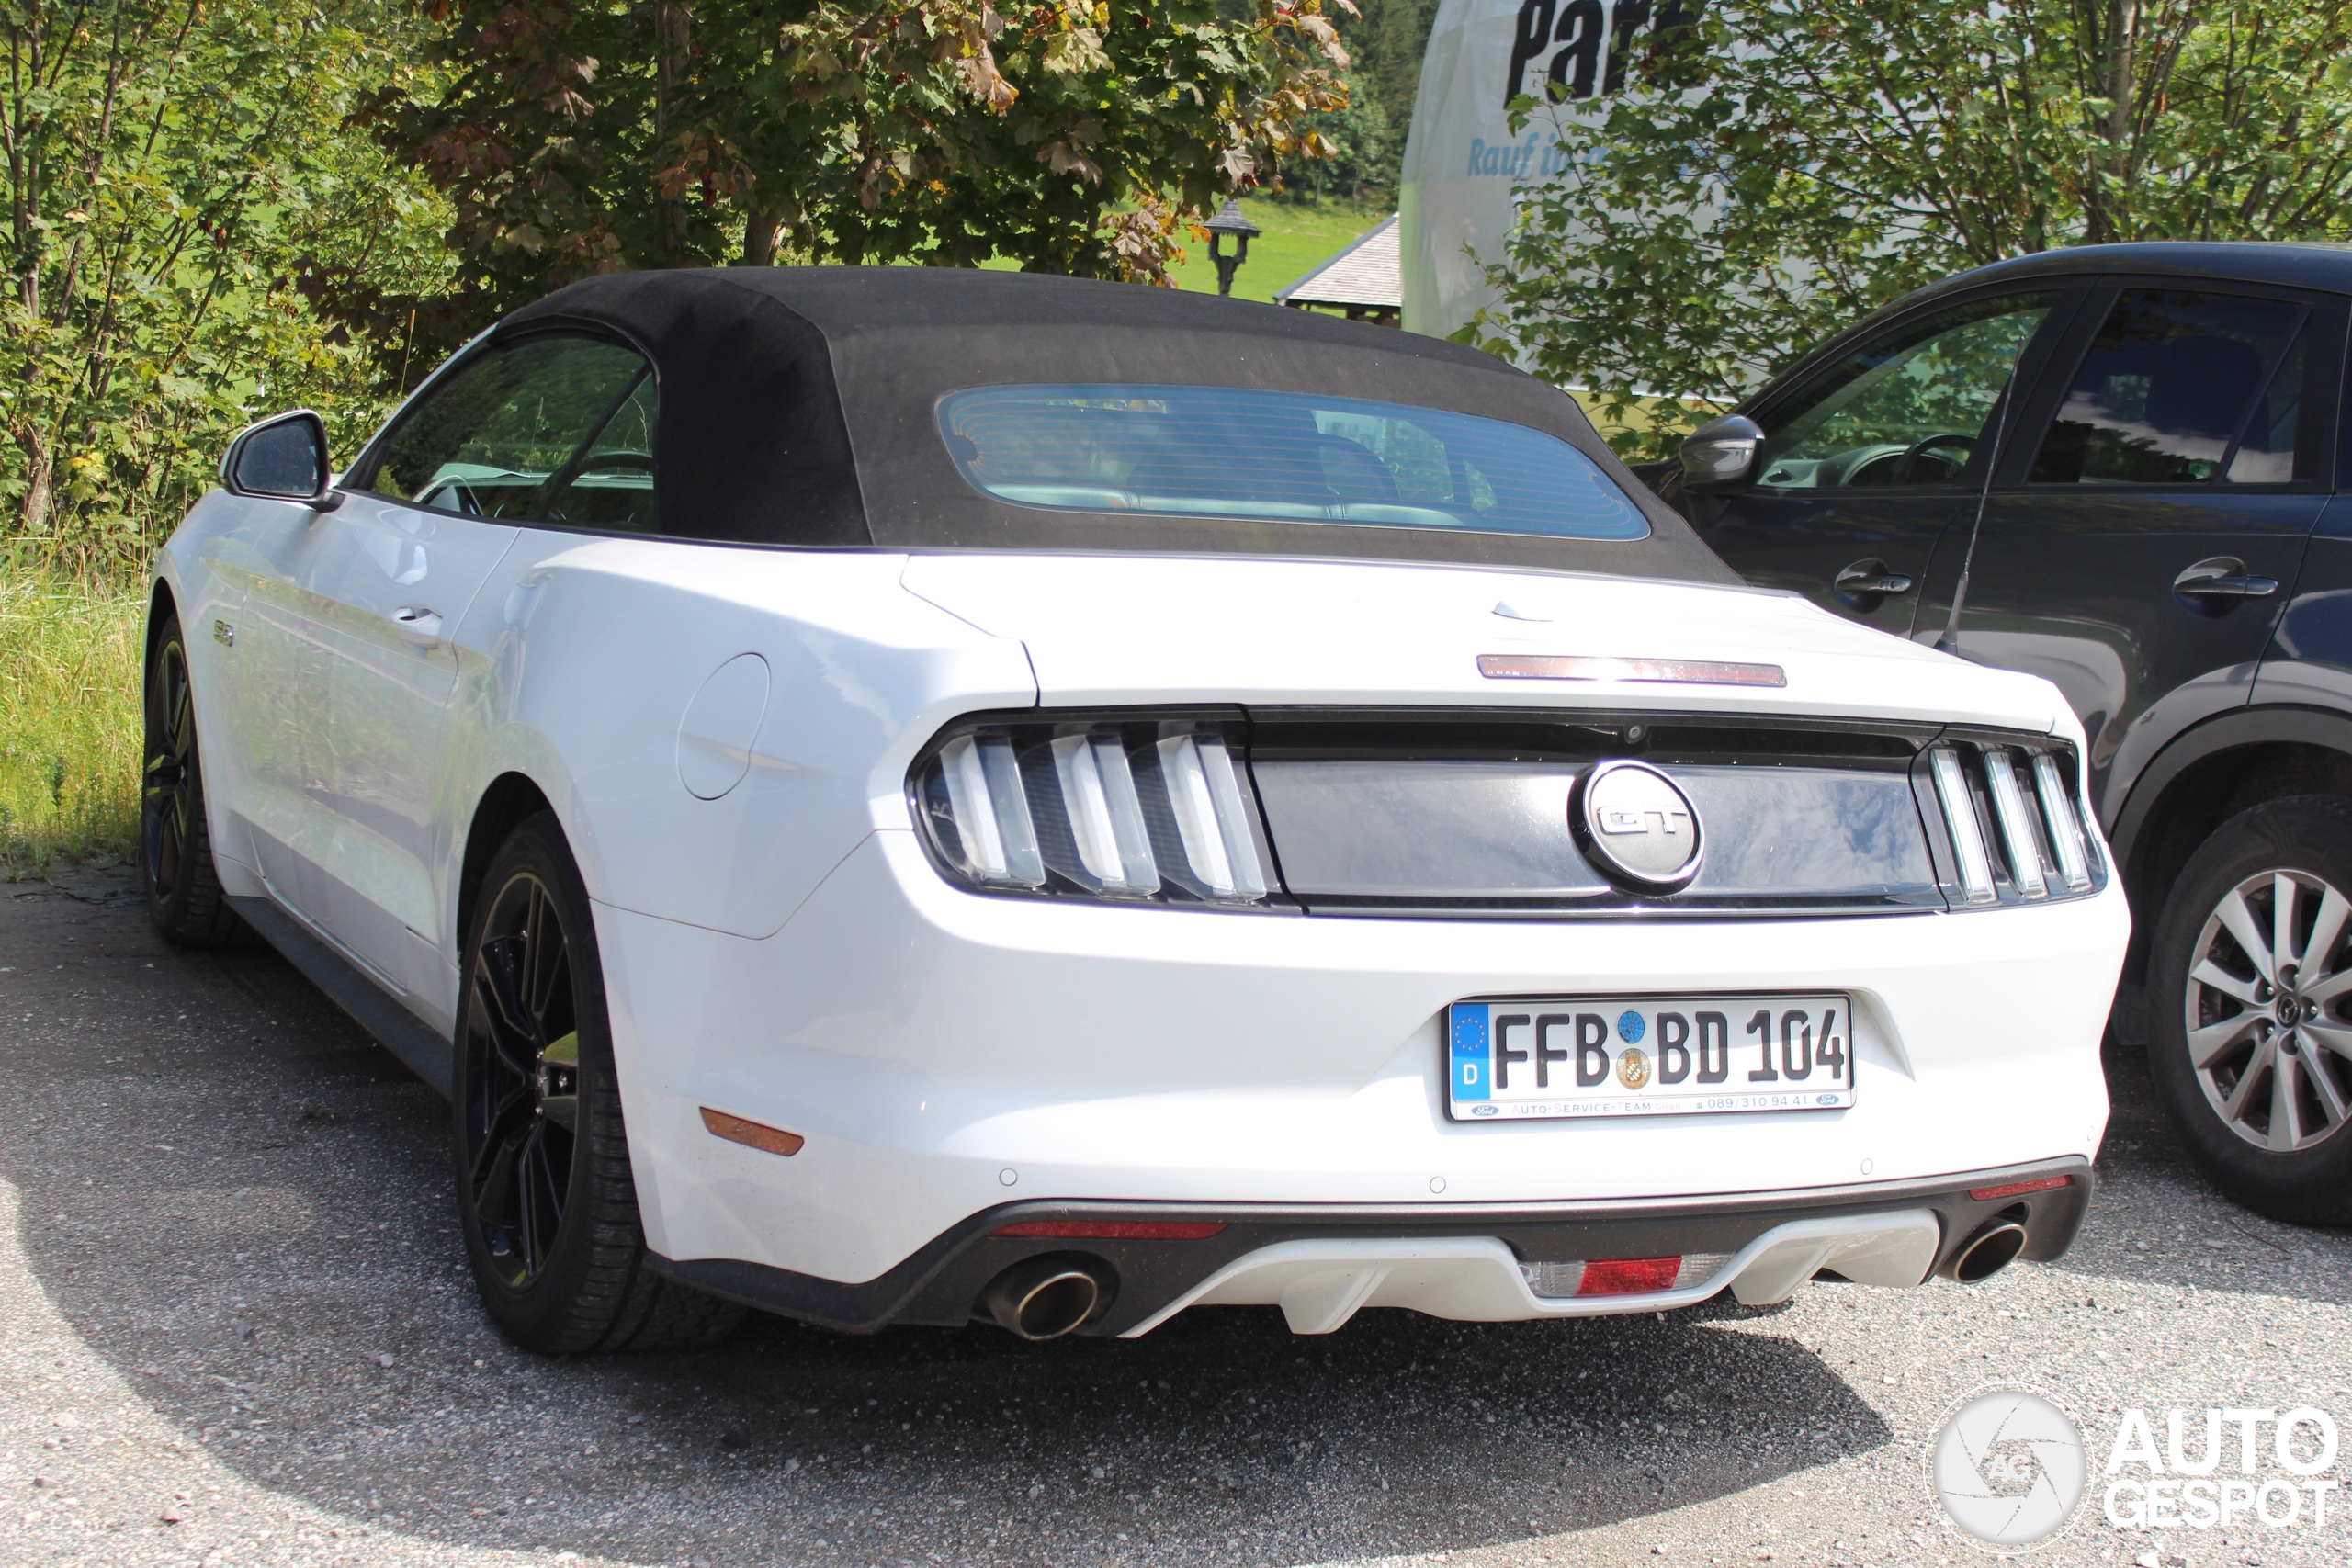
<point>943,1053</point>
<point>1323,1263</point>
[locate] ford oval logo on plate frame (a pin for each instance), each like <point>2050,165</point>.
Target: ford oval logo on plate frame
<point>1638,826</point>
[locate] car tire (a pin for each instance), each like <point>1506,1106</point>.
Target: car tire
<point>184,903</point>
<point>546,1199</point>
<point>2262,1102</point>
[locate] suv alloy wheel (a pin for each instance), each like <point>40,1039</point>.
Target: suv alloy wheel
<point>2250,1042</point>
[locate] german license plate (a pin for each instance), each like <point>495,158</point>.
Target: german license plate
<point>1648,1055</point>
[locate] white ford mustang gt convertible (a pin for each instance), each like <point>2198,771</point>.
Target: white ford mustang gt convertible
<point>912,796</point>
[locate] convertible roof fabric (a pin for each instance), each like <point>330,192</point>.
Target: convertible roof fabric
<point>797,408</point>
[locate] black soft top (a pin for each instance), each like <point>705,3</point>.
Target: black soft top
<point>797,407</point>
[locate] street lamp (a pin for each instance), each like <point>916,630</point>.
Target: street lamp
<point>1229,220</point>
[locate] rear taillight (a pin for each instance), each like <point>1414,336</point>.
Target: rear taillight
<point>1146,809</point>
<point>2011,823</point>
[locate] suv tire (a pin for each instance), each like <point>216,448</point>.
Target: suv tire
<point>2250,1013</point>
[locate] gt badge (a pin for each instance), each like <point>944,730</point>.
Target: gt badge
<point>1634,1069</point>
<point>1637,825</point>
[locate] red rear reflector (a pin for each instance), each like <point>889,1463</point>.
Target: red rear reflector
<point>1628,1276</point>
<point>1116,1230</point>
<point>735,1130</point>
<point>2018,1189</point>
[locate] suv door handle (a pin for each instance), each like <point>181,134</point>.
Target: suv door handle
<point>1872,577</point>
<point>418,626</point>
<point>2224,576</point>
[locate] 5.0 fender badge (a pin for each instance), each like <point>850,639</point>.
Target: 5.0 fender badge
<point>1638,826</point>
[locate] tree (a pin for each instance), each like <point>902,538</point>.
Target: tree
<point>1789,166</point>
<point>1388,43</point>
<point>170,164</point>
<point>1073,136</point>
<point>1357,151</point>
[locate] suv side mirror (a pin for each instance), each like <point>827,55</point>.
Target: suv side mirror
<point>1719,455</point>
<point>284,459</point>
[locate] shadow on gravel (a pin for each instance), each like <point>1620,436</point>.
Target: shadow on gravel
<point>2156,1221</point>
<point>242,1204</point>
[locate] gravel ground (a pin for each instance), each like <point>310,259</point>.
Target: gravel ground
<point>235,1329</point>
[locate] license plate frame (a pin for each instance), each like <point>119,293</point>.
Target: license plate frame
<point>1714,1064</point>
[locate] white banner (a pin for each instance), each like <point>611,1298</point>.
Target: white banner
<point>1462,161</point>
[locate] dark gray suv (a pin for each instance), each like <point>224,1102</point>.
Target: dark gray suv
<point>2144,445</point>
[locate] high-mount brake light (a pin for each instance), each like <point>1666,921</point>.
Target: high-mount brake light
<point>1120,808</point>
<point>2011,817</point>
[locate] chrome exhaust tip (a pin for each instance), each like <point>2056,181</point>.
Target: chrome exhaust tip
<point>1045,1298</point>
<point>1988,1252</point>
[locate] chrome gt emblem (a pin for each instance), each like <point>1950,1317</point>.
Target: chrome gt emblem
<point>1637,825</point>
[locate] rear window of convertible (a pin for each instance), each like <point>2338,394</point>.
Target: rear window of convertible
<point>1277,457</point>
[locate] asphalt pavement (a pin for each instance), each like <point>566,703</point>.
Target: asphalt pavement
<point>235,1328</point>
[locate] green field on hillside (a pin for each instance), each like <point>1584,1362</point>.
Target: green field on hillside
<point>1295,239</point>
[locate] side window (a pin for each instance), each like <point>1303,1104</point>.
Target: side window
<point>1909,409</point>
<point>551,429</point>
<point>2181,387</point>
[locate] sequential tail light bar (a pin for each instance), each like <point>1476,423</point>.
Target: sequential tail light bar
<point>2012,822</point>
<point>1116,807</point>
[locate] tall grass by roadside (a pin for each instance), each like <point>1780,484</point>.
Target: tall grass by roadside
<point>71,651</point>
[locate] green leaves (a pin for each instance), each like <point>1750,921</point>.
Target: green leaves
<point>1800,165</point>
<point>1068,135</point>
<point>180,167</point>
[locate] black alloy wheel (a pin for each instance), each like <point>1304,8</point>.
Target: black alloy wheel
<point>523,1093</point>
<point>184,898</point>
<point>546,1199</point>
<point>2250,1002</point>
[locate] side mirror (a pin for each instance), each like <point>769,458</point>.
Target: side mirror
<point>1719,455</point>
<point>284,459</point>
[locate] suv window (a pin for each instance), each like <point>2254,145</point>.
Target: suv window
<point>1907,408</point>
<point>550,429</point>
<point>2181,387</point>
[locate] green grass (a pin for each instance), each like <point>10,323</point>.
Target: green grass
<point>69,658</point>
<point>1295,239</point>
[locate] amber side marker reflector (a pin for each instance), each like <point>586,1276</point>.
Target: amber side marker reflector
<point>735,1130</point>
<point>2019,1189</point>
<point>1664,671</point>
<point>1115,1230</point>
<point>1628,1276</point>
